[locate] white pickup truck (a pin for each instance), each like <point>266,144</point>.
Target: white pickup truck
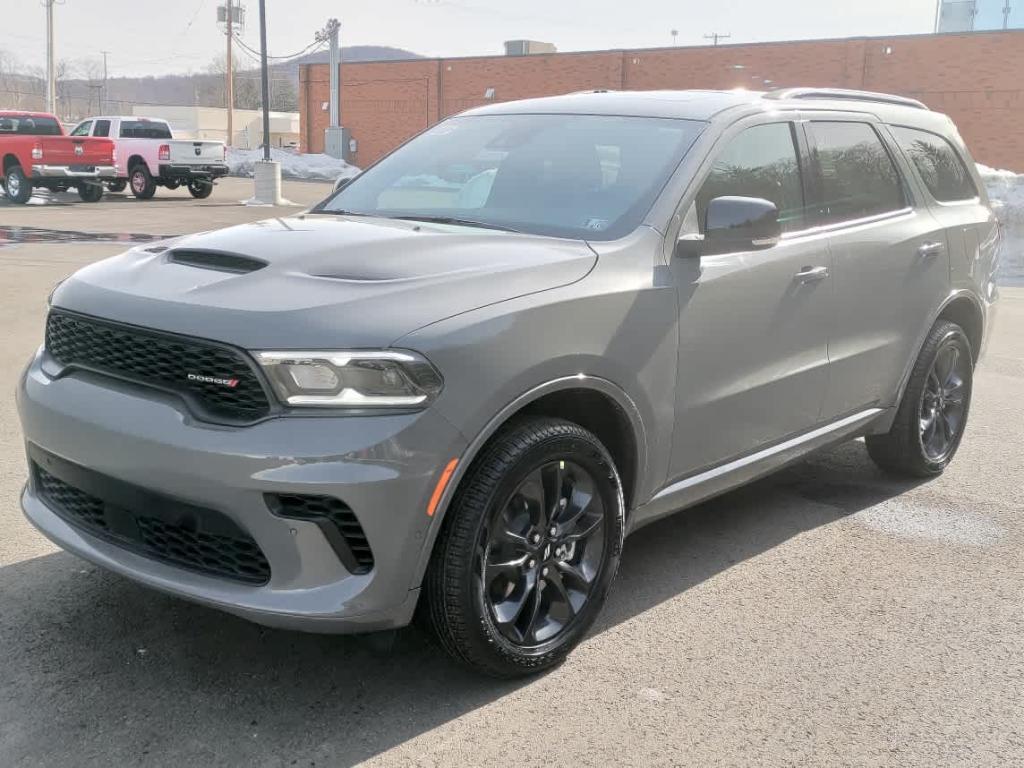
<point>149,156</point>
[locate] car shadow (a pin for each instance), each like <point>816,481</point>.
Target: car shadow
<point>88,654</point>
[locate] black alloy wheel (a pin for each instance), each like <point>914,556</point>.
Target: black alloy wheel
<point>527,550</point>
<point>541,552</point>
<point>943,405</point>
<point>932,415</point>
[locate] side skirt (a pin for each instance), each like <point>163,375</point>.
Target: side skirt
<point>725,477</point>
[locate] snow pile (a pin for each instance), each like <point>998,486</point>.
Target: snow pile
<point>293,165</point>
<point>1006,192</point>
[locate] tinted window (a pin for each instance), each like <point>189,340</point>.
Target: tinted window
<point>856,176</point>
<point>102,128</point>
<point>30,126</point>
<point>760,162</point>
<point>144,129</point>
<point>82,129</point>
<point>941,168</point>
<point>580,176</point>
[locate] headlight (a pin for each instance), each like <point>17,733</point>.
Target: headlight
<point>352,379</point>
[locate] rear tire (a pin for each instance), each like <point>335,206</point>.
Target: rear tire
<point>528,550</point>
<point>172,184</point>
<point>18,186</point>
<point>90,193</point>
<point>141,182</point>
<point>117,186</point>
<point>931,418</point>
<point>200,189</point>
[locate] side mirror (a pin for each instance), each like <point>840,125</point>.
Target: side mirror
<point>340,184</point>
<point>734,224</point>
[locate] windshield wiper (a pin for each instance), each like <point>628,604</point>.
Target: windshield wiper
<point>456,221</point>
<point>338,213</point>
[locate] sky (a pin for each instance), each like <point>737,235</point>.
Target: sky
<point>155,37</point>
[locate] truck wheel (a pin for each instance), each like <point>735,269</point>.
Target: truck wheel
<point>19,187</point>
<point>528,551</point>
<point>90,193</point>
<point>933,413</point>
<point>142,184</point>
<point>117,186</point>
<point>172,184</point>
<point>200,189</point>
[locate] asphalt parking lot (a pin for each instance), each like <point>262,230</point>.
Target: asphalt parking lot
<point>824,616</point>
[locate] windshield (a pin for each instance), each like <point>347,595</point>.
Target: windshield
<point>582,176</point>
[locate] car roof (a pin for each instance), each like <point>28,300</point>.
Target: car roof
<point>707,105</point>
<point>21,113</point>
<point>138,118</point>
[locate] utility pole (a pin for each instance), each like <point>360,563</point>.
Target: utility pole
<point>675,34</point>
<point>716,36</point>
<point>335,138</point>
<point>103,103</point>
<point>230,73</point>
<point>1006,14</point>
<point>51,69</point>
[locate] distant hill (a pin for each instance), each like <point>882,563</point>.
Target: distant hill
<point>79,97</point>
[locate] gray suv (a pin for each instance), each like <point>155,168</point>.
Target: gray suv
<point>452,388</point>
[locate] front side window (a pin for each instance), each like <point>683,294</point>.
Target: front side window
<point>856,176</point>
<point>592,177</point>
<point>941,168</point>
<point>144,129</point>
<point>760,162</point>
<point>82,129</point>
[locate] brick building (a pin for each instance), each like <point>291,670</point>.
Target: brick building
<point>977,78</point>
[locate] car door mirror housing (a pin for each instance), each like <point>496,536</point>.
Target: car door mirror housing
<point>734,224</point>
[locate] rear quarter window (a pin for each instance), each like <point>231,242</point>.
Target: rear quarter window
<point>144,129</point>
<point>941,168</point>
<point>856,176</point>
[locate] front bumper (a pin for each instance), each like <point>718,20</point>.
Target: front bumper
<point>180,171</point>
<point>384,467</point>
<point>74,172</point>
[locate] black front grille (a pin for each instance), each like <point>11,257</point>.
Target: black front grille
<point>337,521</point>
<point>217,382</point>
<point>154,526</point>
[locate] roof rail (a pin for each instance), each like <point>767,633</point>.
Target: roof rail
<point>844,94</point>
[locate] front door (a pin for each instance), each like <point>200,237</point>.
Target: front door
<point>753,331</point>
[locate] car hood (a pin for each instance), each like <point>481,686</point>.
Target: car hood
<point>322,281</point>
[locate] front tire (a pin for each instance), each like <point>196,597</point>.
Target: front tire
<point>932,416</point>
<point>90,193</point>
<point>528,550</point>
<point>18,186</point>
<point>200,189</point>
<point>141,182</point>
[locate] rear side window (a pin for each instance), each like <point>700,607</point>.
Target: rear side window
<point>30,126</point>
<point>941,168</point>
<point>856,176</point>
<point>760,162</point>
<point>144,129</point>
<point>102,128</point>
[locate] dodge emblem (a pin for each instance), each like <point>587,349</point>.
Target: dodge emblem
<point>232,383</point>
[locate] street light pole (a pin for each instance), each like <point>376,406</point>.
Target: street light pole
<point>265,76</point>
<point>51,69</point>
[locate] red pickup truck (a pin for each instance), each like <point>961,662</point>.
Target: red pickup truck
<point>36,153</point>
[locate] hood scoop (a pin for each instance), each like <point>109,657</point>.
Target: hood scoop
<point>217,261</point>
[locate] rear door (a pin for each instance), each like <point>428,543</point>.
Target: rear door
<point>753,325</point>
<point>890,259</point>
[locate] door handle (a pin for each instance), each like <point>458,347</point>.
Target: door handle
<point>930,250</point>
<point>811,274</point>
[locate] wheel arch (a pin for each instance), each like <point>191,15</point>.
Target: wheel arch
<point>134,160</point>
<point>960,307</point>
<point>9,161</point>
<point>594,403</point>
